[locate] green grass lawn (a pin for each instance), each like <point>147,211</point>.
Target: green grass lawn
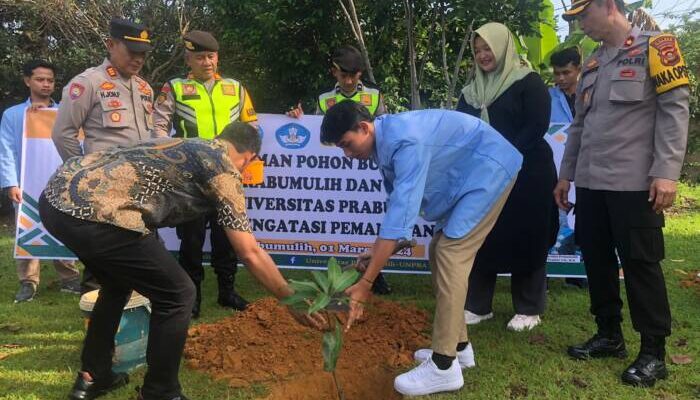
<point>40,341</point>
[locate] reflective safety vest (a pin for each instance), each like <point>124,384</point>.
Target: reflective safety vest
<point>367,96</point>
<point>199,113</point>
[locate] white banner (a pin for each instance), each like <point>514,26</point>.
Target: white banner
<point>314,203</point>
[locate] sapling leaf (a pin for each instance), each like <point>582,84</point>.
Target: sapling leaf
<point>334,273</point>
<point>322,280</point>
<point>332,343</point>
<point>346,280</point>
<point>320,302</point>
<point>296,301</point>
<point>309,288</point>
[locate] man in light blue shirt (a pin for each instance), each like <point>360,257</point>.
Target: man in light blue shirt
<point>39,78</point>
<point>566,65</point>
<point>447,167</point>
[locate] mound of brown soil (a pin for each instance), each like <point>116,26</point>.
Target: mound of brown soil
<point>265,345</point>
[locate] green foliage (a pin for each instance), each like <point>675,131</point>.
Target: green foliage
<point>325,293</point>
<point>332,343</point>
<point>540,45</point>
<point>279,49</point>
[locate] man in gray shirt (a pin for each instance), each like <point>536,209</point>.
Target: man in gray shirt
<point>625,151</point>
<point>110,103</point>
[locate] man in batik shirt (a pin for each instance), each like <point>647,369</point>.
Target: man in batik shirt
<point>106,208</point>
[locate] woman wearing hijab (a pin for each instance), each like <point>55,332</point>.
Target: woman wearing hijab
<point>514,100</point>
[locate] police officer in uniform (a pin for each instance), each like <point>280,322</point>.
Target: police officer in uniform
<point>110,102</point>
<point>625,151</point>
<point>347,65</point>
<point>201,105</point>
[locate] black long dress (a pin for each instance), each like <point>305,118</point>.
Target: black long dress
<point>528,224</point>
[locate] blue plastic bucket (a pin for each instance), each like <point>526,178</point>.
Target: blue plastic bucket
<point>132,335</point>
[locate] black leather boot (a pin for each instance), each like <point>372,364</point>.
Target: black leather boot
<point>227,294</point>
<point>380,285</point>
<point>197,307</point>
<point>86,390</point>
<point>650,364</point>
<point>608,342</point>
<point>139,396</point>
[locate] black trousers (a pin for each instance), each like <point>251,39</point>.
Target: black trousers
<point>528,291</point>
<point>123,261</point>
<point>610,221</point>
<point>192,234</point>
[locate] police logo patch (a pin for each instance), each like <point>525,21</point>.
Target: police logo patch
<point>115,117</point>
<point>189,89</point>
<point>107,86</point>
<point>112,72</point>
<point>366,99</point>
<point>666,65</point>
<point>228,90</point>
<point>667,50</point>
<point>161,98</point>
<point>330,102</point>
<point>75,90</point>
<point>114,103</point>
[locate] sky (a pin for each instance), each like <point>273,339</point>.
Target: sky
<point>663,11</point>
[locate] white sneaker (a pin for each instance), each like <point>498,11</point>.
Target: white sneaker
<point>465,358</point>
<point>427,378</point>
<point>473,319</point>
<point>521,322</point>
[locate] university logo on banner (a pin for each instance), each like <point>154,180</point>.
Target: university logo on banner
<point>293,136</point>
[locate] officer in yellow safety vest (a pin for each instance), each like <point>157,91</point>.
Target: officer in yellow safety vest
<point>201,105</point>
<point>347,65</point>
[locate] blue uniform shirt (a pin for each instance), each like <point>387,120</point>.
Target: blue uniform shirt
<point>448,166</point>
<point>561,112</point>
<point>11,129</point>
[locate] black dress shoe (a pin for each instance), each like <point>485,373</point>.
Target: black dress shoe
<point>599,347</point>
<point>197,307</point>
<point>233,300</point>
<point>645,371</point>
<point>84,390</point>
<point>381,286</point>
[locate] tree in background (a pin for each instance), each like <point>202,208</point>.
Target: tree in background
<point>71,33</point>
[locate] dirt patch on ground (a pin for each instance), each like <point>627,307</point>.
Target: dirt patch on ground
<point>265,345</point>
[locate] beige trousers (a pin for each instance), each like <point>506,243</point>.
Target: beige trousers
<point>451,262</point>
<point>28,270</point>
